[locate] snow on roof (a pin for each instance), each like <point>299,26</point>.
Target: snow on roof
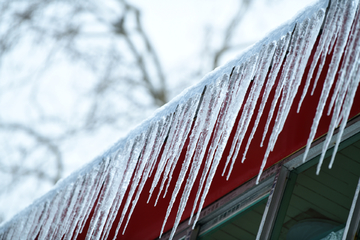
<point>204,115</point>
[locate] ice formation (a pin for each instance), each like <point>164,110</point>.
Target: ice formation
<point>204,116</point>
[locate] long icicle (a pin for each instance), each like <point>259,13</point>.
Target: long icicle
<point>219,127</point>
<point>349,11</point>
<point>279,55</point>
<point>258,82</point>
<point>210,171</point>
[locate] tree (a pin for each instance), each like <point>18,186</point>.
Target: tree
<point>77,70</point>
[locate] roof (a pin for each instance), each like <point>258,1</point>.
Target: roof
<point>268,103</point>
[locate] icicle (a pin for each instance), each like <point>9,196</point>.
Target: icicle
<point>96,179</point>
<point>351,212</point>
<point>122,166</point>
<point>246,114</point>
<point>8,235</point>
<point>24,225</point>
<point>221,138</point>
<point>350,58</point>
<point>334,120</point>
<point>40,218</point>
<point>323,46</point>
<point>239,80</point>
<point>188,118</point>
<point>135,170</point>
<point>104,212</point>
<point>26,229</point>
<point>163,128</point>
<point>200,137</point>
<point>16,234</point>
<point>61,223</point>
<point>166,131</point>
<point>261,78</point>
<point>78,212</point>
<point>354,73</point>
<point>279,55</point>
<point>115,181</point>
<point>178,140</point>
<point>209,179</point>
<point>284,86</point>
<point>102,204</point>
<point>125,169</point>
<point>278,88</point>
<point>64,205</point>
<point>69,213</point>
<point>231,90</point>
<point>264,62</point>
<point>50,215</point>
<point>336,26</point>
<point>292,74</point>
<point>314,28</point>
<point>149,140</point>
<point>342,88</point>
<point>347,107</point>
<point>349,11</point>
<point>87,199</point>
<point>163,161</point>
<point>189,123</point>
<point>183,129</point>
<point>240,92</point>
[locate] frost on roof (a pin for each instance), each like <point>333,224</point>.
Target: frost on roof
<point>209,110</point>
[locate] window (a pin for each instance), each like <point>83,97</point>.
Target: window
<point>307,206</point>
<point>314,206</point>
<point>243,225</point>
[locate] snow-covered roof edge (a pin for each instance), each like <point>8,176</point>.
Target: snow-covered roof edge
<point>120,160</point>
